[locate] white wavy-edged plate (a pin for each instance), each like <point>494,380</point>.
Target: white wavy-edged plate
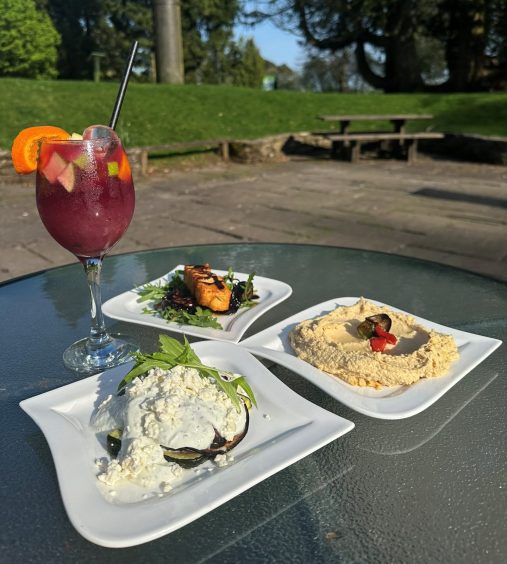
<point>283,429</point>
<point>396,402</point>
<point>125,307</point>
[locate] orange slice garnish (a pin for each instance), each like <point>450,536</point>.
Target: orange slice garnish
<point>124,172</point>
<point>25,147</point>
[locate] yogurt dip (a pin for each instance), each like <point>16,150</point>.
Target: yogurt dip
<point>175,409</point>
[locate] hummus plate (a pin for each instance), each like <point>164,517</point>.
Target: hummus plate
<point>395,402</point>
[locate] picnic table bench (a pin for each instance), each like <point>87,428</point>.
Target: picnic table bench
<point>349,144</point>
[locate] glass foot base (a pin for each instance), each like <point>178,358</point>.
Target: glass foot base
<point>82,357</point>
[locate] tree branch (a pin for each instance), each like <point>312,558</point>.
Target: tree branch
<point>363,66</point>
<point>331,43</point>
<point>369,37</point>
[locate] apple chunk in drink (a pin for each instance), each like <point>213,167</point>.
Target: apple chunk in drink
<point>85,194</point>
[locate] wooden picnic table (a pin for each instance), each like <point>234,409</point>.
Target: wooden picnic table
<point>349,144</point>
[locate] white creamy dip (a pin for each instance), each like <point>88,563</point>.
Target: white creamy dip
<point>175,408</point>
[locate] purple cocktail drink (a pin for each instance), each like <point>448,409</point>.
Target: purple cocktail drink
<point>85,194</point>
<point>85,198</point>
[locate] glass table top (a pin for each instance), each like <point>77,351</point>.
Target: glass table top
<point>423,489</point>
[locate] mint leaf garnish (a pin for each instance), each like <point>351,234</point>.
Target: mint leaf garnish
<point>173,353</point>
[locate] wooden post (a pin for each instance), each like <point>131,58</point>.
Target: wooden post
<point>344,126</point>
<point>399,125</point>
<point>355,151</point>
<point>336,149</point>
<point>96,55</point>
<point>411,145</point>
<point>223,149</point>
<point>144,162</point>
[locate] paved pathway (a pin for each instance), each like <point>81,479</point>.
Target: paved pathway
<point>453,213</point>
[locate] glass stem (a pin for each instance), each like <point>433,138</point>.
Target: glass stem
<point>98,333</point>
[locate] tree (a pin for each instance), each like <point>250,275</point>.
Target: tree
<point>334,73</point>
<point>285,77</point>
<point>207,33</point>
<point>431,55</point>
<point>387,26</point>
<point>474,33</point>
<point>108,26</point>
<point>397,31</point>
<point>246,66</point>
<point>497,37</point>
<point>168,41</point>
<point>210,54</point>
<point>28,40</point>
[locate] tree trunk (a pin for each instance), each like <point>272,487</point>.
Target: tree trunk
<point>466,44</point>
<point>168,41</point>
<point>402,68</point>
<point>402,71</point>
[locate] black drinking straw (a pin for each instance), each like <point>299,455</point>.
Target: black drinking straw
<point>123,86</point>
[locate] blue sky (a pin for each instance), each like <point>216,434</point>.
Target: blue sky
<point>275,45</point>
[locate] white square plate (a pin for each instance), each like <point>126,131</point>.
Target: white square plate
<point>125,307</point>
<point>283,429</point>
<point>396,402</point>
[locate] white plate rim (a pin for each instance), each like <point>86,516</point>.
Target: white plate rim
<point>116,308</point>
<point>87,509</point>
<point>405,401</point>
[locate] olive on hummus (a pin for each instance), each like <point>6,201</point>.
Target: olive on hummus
<point>333,344</point>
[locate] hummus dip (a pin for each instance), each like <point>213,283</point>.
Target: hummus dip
<point>331,343</point>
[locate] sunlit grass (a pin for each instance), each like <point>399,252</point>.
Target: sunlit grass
<point>154,114</point>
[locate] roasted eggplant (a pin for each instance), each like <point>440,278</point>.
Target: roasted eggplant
<point>366,329</point>
<point>188,457</point>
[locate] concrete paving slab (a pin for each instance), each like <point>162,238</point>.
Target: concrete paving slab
<point>452,213</point>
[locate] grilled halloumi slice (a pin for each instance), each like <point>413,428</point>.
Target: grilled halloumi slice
<point>208,288</point>
<point>193,273</point>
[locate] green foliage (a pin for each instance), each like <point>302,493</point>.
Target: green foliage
<point>173,353</point>
<point>28,40</point>
<point>154,114</point>
<point>334,73</point>
<point>497,26</point>
<point>459,44</point>
<point>210,54</point>
<point>109,27</point>
<point>286,78</point>
<point>104,26</point>
<point>118,24</point>
<point>246,64</point>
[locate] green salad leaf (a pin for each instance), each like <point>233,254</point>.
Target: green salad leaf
<point>152,292</point>
<point>173,353</point>
<point>248,292</point>
<point>229,278</point>
<point>201,318</point>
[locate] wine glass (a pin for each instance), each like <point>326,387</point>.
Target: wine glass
<point>85,197</point>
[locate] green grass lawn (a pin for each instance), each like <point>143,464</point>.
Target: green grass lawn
<point>155,113</point>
